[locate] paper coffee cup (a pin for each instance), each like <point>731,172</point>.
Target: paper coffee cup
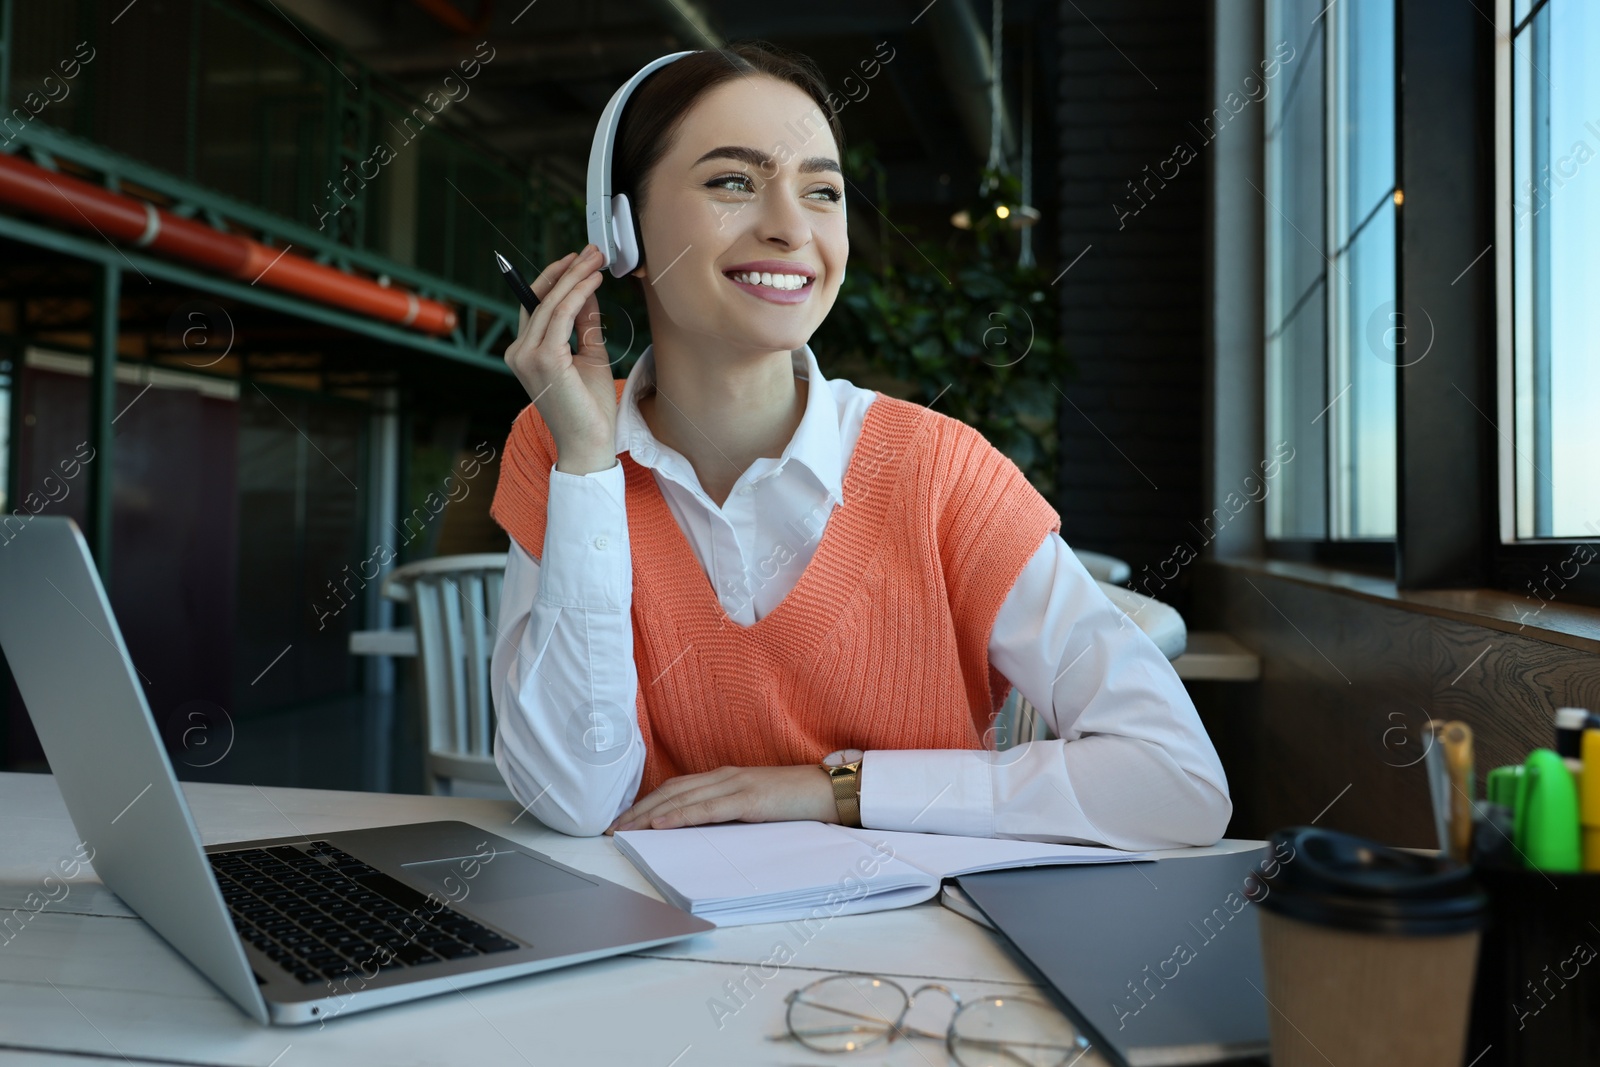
<point>1368,952</point>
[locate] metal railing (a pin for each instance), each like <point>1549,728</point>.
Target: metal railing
<point>226,111</point>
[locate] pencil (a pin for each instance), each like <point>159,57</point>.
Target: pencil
<point>1457,742</point>
<point>1438,784</point>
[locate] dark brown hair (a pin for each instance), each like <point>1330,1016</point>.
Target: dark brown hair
<point>659,104</point>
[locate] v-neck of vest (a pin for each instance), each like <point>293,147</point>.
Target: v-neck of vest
<point>892,423</point>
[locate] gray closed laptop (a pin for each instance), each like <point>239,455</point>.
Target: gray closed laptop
<point>292,929</point>
<point>1158,963</point>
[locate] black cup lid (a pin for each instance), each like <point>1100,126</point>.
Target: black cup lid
<point>1340,880</point>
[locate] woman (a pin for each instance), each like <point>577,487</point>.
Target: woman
<point>879,575</point>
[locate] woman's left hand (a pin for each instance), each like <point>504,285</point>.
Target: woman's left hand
<point>734,794</point>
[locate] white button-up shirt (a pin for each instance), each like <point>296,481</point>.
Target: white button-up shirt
<point>1131,765</point>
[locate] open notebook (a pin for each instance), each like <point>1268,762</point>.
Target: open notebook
<point>738,873</point>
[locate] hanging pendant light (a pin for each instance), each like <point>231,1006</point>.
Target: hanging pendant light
<point>1018,216</point>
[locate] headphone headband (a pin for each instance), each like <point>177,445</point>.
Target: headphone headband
<point>610,219</point>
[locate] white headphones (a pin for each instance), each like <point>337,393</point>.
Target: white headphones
<point>611,226</point>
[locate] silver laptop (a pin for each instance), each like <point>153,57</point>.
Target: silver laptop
<point>292,929</point>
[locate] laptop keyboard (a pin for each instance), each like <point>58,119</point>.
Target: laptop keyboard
<point>320,913</point>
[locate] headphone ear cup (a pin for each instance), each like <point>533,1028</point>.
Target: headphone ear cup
<point>625,235</point>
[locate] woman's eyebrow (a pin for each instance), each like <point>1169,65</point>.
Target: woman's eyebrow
<point>755,158</point>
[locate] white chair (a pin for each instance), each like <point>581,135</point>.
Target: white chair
<point>455,604</point>
<point>1019,721</point>
<point>455,601</point>
<point>1103,568</point>
<point>1160,621</point>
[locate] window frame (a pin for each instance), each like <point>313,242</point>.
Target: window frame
<point>1336,479</point>
<point>1282,306</point>
<point>1535,566</point>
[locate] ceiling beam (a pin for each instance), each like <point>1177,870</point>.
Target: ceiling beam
<point>549,56</point>
<point>963,47</point>
<point>538,135</point>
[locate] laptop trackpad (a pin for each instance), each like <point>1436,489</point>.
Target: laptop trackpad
<point>504,876</point>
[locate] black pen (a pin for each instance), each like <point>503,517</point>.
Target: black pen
<point>518,285</point>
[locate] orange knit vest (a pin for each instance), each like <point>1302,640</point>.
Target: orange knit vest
<point>881,644</point>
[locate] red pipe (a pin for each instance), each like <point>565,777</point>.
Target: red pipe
<point>90,207</point>
<point>456,19</point>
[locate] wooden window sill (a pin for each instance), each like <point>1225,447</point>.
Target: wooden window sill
<point>1572,625</point>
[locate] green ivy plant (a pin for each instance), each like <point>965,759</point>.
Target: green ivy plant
<point>957,325</point>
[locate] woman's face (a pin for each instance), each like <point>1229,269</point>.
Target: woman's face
<point>743,226</point>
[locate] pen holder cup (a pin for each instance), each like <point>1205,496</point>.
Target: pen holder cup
<point>1536,999</point>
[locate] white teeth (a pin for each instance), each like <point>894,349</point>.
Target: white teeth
<point>773,281</point>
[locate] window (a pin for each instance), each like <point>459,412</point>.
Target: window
<point>1555,269</point>
<point>1333,334</point>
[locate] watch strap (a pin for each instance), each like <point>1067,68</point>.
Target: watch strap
<point>846,782</point>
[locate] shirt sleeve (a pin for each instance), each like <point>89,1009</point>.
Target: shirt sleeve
<point>1131,767</point>
<point>562,670</point>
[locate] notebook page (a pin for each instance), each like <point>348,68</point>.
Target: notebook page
<point>743,914</point>
<point>754,864</point>
<point>948,855</point>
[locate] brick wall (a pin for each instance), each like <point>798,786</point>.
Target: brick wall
<point>1132,306</point>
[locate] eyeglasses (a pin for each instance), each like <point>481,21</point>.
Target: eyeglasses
<point>849,1012</point>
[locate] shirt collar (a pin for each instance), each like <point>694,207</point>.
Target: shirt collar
<point>815,444</point>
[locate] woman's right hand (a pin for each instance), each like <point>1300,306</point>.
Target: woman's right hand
<point>575,393</point>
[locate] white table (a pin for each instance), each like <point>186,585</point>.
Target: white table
<point>86,980</point>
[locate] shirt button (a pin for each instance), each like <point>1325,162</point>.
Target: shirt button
<point>599,542</point>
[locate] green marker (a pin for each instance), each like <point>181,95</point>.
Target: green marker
<point>1547,813</point>
<point>1500,787</point>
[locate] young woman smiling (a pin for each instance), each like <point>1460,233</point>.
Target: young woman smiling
<point>728,569</point>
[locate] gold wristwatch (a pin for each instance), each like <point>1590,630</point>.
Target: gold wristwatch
<point>845,777</point>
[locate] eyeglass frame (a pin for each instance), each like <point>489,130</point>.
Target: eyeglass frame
<point>896,1029</point>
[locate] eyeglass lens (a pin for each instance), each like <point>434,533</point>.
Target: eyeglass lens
<point>845,1013</point>
<point>1014,1032</point>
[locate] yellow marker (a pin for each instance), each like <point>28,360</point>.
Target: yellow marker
<point>1589,799</point>
<point>1457,741</point>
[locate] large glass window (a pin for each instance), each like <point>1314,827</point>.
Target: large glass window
<point>1334,336</point>
<point>1555,211</point>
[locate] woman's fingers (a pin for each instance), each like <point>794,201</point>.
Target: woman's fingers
<point>579,408</point>
<point>634,809</point>
<point>725,807</point>
<point>684,804</point>
<point>530,351</point>
<point>592,334</point>
<point>540,286</point>
<point>671,792</point>
<point>645,808</point>
<point>547,277</point>
<point>585,265</point>
<point>734,794</point>
<point>564,312</point>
